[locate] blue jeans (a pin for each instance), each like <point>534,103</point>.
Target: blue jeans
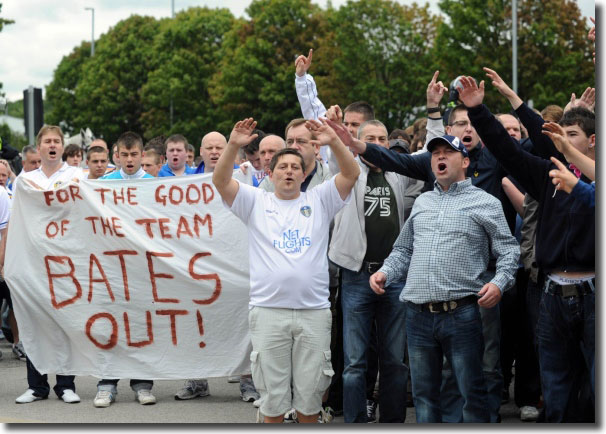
<point>451,399</point>
<point>565,329</point>
<point>362,307</point>
<point>457,335</point>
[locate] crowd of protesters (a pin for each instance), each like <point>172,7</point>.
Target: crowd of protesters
<point>441,255</point>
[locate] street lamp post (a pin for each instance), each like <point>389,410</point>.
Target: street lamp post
<point>92,38</point>
<point>172,15</point>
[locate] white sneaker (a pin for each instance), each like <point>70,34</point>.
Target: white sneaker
<point>145,397</point>
<point>103,399</point>
<point>529,413</point>
<point>28,397</point>
<point>233,379</point>
<point>70,397</point>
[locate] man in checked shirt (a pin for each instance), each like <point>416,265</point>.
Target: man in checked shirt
<point>443,252</point>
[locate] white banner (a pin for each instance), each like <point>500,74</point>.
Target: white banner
<point>143,279</point>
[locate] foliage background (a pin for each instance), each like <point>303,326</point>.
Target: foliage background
<point>217,68</point>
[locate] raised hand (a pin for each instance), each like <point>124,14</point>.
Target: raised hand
<point>242,135</point>
<point>557,135</point>
<point>587,100</point>
<point>335,114</point>
<point>303,63</point>
<point>324,134</point>
<point>499,83</point>
<point>435,91</point>
<point>470,94</point>
<point>562,178</point>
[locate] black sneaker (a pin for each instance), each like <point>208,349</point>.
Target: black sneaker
<point>371,411</point>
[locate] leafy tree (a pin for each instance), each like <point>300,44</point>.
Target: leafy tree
<point>15,108</point>
<point>186,55</point>
<point>108,95</point>
<point>61,107</point>
<point>385,56</point>
<point>256,76</point>
<point>554,55</point>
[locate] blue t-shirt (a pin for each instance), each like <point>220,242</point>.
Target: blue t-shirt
<point>167,171</point>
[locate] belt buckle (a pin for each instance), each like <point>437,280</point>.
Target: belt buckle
<point>569,291</point>
<point>431,308</point>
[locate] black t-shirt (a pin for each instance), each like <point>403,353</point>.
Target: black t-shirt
<point>380,216</point>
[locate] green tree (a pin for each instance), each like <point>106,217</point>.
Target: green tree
<point>60,105</point>
<point>385,56</point>
<point>554,55</point>
<point>186,55</point>
<point>256,75</point>
<point>108,95</point>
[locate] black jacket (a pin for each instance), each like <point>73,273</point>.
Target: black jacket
<point>565,238</point>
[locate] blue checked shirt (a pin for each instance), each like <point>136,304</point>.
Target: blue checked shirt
<point>444,248</point>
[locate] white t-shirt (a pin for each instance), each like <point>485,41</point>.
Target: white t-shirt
<point>287,244</point>
<point>62,176</point>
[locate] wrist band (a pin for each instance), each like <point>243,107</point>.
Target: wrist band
<point>433,110</point>
<point>435,119</point>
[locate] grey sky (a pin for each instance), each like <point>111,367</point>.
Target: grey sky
<point>46,31</point>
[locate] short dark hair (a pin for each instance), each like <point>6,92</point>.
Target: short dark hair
<point>397,133</point>
<point>295,123</point>
<point>361,107</point>
<point>129,140</point>
<point>456,108</point>
<point>176,138</point>
<point>253,146</point>
<point>71,151</point>
<point>286,151</point>
<point>153,154</point>
<point>157,144</point>
<point>582,117</point>
<point>94,149</point>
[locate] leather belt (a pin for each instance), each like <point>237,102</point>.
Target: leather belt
<point>571,290</point>
<point>448,306</point>
<point>371,267</point>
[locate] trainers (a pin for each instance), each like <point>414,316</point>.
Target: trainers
<point>18,351</point>
<point>193,389</point>
<point>103,399</point>
<point>327,414</point>
<point>145,397</point>
<point>28,397</point>
<point>371,411</point>
<point>257,403</point>
<point>233,379</point>
<point>291,416</point>
<point>529,413</point>
<point>70,397</point>
<point>248,393</point>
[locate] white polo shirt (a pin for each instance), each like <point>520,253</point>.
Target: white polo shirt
<point>287,244</point>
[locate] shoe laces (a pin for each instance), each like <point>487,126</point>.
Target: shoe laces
<point>104,394</point>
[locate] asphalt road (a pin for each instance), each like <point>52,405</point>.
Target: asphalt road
<point>223,404</point>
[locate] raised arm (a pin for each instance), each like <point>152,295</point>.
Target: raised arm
<point>585,164</point>
<point>435,92</point>
<point>307,92</point>
<point>240,136</point>
<point>349,169</point>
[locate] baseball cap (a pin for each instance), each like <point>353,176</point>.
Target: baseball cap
<point>399,143</point>
<point>453,141</point>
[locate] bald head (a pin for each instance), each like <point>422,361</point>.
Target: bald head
<point>213,145</point>
<point>512,125</point>
<point>268,147</point>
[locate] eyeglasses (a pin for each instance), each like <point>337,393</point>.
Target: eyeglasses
<point>463,124</point>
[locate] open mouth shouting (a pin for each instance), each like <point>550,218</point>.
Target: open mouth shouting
<point>467,140</point>
<point>442,168</point>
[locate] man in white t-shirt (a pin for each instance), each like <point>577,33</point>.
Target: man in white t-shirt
<point>52,173</point>
<point>289,317</point>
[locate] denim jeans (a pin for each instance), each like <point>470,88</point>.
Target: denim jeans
<point>112,385</point>
<point>39,383</point>
<point>565,329</point>
<point>451,400</point>
<point>457,335</point>
<point>362,307</point>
